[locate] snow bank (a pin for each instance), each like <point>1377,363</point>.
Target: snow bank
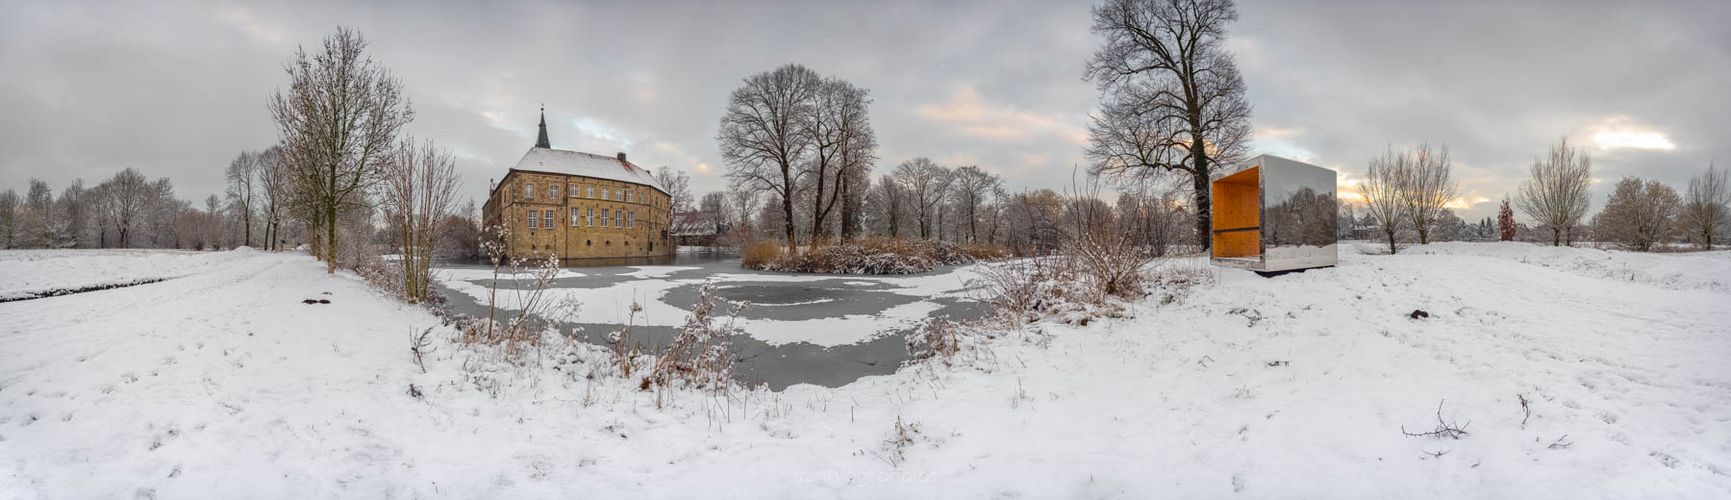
<point>1677,271</point>
<point>28,273</point>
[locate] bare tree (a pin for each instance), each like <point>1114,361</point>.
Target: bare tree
<point>925,183</point>
<point>1172,98</point>
<point>763,137</point>
<point>1555,196</point>
<point>1638,215</point>
<point>843,143</point>
<point>678,186</point>
<point>338,122</point>
<point>971,189</point>
<point>42,225</point>
<point>9,219</point>
<point>1705,208</point>
<point>75,212</point>
<point>419,192</point>
<point>127,198</point>
<point>273,194</point>
<point>1382,192</point>
<point>745,203</point>
<point>890,199</point>
<point>242,176</point>
<point>1426,188</point>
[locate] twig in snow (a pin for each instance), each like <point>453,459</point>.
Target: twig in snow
<point>1436,454</point>
<point>1443,428</point>
<point>1528,411</point>
<point>419,346</point>
<point>1560,445</point>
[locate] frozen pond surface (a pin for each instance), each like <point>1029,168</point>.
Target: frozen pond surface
<point>826,330</point>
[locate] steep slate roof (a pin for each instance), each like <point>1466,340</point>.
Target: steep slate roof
<point>559,161</point>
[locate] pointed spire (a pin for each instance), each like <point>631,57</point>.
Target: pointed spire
<point>541,142</point>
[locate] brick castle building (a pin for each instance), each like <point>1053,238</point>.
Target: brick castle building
<point>579,206</point>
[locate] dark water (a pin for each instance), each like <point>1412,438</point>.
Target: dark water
<point>778,366</point>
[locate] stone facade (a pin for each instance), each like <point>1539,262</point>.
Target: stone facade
<point>590,217</point>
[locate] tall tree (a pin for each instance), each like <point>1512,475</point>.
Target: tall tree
<point>1705,208</point>
<point>926,183</point>
<point>128,198</point>
<point>972,187</point>
<point>242,176</point>
<point>1555,195</point>
<point>763,137</point>
<point>678,186</point>
<point>9,219</point>
<point>842,143</point>
<point>273,195</point>
<point>43,227</point>
<point>74,209</point>
<point>1172,100</point>
<point>338,122</point>
<point>1426,187</point>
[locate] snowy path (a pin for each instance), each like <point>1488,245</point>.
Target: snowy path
<point>221,384</point>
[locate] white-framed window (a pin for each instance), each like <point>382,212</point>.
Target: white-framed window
<point>628,195</point>
<point>603,193</point>
<point>553,192</point>
<point>604,214</point>
<point>547,221</point>
<point>591,218</point>
<point>619,195</point>
<point>591,190</point>
<point>618,218</point>
<point>534,219</point>
<point>572,190</point>
<point>631,219</point>
<point>529,190</point>
<point>574,216</point>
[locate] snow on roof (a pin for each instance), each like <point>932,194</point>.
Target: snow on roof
<point>559,161</point>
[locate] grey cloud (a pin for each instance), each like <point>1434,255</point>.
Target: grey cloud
<point>177,89</point>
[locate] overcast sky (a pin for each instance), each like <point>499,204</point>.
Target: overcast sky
<point>178,89</point>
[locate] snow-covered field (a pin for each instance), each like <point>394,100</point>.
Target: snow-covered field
<point>27,273</point>
<point>221,384</point>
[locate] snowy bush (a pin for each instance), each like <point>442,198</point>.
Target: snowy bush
<point>701,355</point>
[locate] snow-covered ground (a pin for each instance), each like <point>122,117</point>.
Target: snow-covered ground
<point>222,384</point>
<point>27,273</point>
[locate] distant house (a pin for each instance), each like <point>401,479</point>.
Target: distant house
<point>695,229</point>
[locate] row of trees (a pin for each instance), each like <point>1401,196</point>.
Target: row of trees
<point>1408,190</point>
<point>127,210</point>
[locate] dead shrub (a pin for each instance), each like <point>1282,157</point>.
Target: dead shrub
<point>516,332</point>
<point>701,355</point>
<point>936,338</point>
<point>878,255</point>
<point>760,253</point>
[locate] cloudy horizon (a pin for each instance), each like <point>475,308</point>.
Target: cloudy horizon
<point>179,89</point>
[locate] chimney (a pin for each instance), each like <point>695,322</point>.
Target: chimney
<point>621,157</point>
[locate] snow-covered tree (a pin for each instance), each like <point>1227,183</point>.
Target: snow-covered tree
<point>243,190</point>
<point>926,184</point>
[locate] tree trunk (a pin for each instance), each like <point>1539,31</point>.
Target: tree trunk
<point>787,221</point>
<point>330,238</point>
<point>1204,219</point>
